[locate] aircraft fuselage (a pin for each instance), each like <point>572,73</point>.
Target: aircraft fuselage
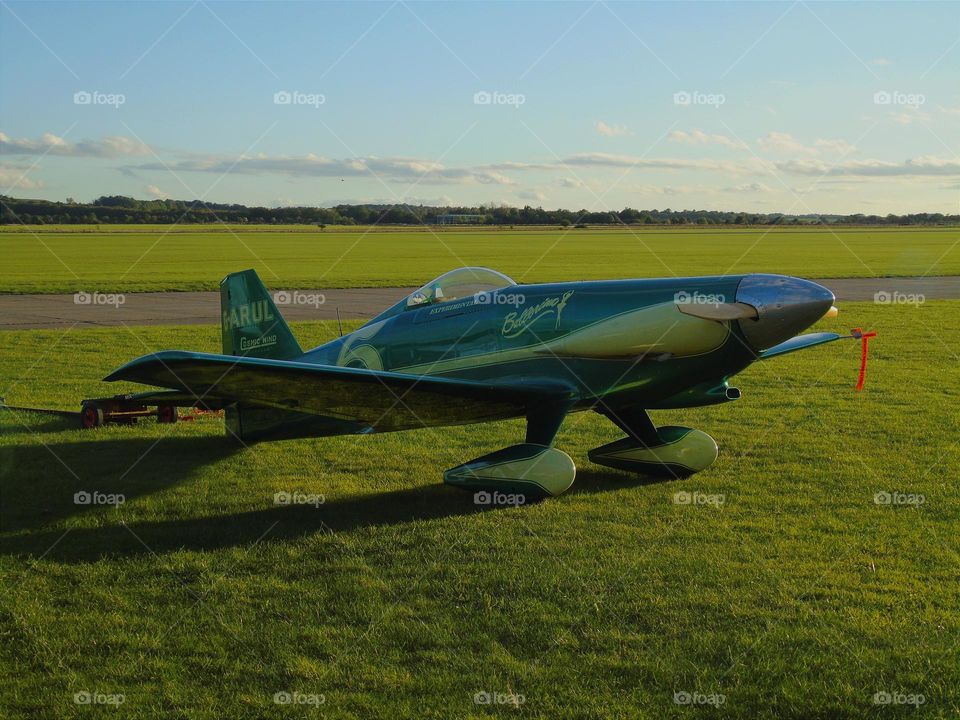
<point>624,341</point>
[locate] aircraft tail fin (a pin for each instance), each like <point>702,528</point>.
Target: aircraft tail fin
<point>251,325</point>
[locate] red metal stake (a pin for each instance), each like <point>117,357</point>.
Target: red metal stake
<point>864,340</point>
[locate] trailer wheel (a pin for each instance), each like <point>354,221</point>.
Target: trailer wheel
<point>91,415</point>
<point>166,413</point>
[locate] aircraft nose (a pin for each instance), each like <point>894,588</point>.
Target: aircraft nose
<point>785,307</point>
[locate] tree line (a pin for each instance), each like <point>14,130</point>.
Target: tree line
<point>119,209</point>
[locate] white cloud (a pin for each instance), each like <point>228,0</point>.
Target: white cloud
<point>784,143</point>
<point>699,137</point>
<point>396,168</point>
<point>532,194</point>
<point>155,192</point>
<point>509,165</point>
<point>754,187</point>
<point>781,143</point>
<point>568,182</point>
<point>612,160</point>
<point>834,147</point>
<point>611,130</point>
<point>50,144</point>
<point>881,62</point>
<point>925,166</point>
<point>908,116</point>
<point>661,190</point>
<point>15,177</point>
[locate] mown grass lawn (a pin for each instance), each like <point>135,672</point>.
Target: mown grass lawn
<point>135,258</point>
<point>786,591</point>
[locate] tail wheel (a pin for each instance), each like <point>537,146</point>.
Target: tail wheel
<point>166,413</point>
<point>91,415</point>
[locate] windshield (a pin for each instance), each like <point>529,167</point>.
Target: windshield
<point>458,284</point>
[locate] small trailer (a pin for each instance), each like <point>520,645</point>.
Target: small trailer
<point>122,410</point>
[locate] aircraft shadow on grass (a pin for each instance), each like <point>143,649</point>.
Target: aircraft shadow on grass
<point>39,481</point>
<point>30,424</point>
<point>38,492</point>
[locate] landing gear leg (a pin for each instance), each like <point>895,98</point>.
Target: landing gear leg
<point>532,469</point>
<point>670,451</point>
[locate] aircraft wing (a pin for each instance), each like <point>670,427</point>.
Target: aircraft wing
<point>378,400</point>
<point>800,342</point>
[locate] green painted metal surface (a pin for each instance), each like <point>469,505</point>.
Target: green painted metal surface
<point>471,346</point>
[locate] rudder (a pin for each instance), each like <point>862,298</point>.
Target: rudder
<point>251,325</point>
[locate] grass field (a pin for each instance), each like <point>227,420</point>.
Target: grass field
<point>172,258</point>
<point>792,593</point>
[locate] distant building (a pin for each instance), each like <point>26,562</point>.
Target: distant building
<point>456,219</point>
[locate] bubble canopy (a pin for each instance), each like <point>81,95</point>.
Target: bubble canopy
<point>458,284</point>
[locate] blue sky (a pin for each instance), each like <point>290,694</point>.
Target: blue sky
<point>798,107</point>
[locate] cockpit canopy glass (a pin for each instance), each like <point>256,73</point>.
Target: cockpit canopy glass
<point>457,285</point>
